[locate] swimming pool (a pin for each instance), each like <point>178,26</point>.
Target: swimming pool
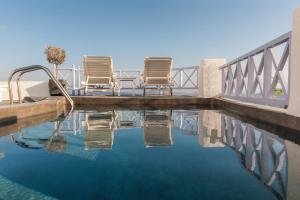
<point>147,154</point>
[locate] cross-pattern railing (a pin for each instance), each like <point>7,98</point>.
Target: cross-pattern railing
<point>185,77</point>
<point>262,153</point>
<point>261,76</point>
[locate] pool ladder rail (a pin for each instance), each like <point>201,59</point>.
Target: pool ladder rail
<point>23,70</point>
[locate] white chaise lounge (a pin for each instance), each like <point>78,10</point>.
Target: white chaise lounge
<point>157,73</point>
<point>98,71</point>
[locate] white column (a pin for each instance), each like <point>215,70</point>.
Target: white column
<point>294,80</point>
<point>210,77</point>
<point>55,70</point>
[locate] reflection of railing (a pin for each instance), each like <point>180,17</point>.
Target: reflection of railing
<point>262,153</point>
<point>72,124</point>
<point>261,76</point>
<point>186,121</point>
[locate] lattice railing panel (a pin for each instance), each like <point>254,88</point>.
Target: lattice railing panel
<point>185,78</point>
<point>261,76</point>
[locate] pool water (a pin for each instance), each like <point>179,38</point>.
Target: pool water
<point>144,154</point>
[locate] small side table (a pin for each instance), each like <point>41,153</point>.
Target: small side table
<point>127,79</point>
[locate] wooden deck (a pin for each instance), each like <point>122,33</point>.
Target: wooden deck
<point>275,117</point>
<point>141,101</point>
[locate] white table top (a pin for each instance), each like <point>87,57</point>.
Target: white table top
<point>126,78</point>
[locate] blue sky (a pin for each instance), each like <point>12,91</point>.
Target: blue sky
<point>129,30</point>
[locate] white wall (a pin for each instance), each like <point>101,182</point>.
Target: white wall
<point>294,99</point>
<point>28,88</point>
<point>210,77</point>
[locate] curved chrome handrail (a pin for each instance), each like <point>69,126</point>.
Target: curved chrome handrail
<point>31,68</point>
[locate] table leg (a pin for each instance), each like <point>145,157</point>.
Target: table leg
<point>133,88</point>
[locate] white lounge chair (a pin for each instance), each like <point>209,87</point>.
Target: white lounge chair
<point>157,73</point>
<point>98,71</point>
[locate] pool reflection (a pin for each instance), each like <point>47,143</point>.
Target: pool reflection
<point>85,133</point>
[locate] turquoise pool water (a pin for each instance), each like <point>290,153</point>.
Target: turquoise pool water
<point>143,154</point>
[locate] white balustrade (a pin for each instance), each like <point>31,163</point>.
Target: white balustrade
<point>183,78</point>
<point>261,76</point>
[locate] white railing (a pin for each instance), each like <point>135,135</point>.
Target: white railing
<point>73,77</point>
<point>183,78</point>
<point>260,76</point>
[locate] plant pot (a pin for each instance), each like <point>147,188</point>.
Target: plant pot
<point>54,90</point>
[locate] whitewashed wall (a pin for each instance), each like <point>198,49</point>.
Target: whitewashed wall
<point>28,88</point>
<point>210,77</point>
<point>294,99</point>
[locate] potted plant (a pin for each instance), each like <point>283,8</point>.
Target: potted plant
<point>55,56</point>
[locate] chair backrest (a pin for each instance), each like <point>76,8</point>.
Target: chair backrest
<point>98,69</point>
<point>100,130</point>
<point>157,68</point>
<point>157,129</point>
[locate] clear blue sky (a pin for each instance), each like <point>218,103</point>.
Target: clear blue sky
<point>129,30</point>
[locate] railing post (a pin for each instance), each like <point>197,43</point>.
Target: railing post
<point>250,75</point>
<point>73,79</point>
<point>180,78</point>
<point>78,80</point>
<point>267,73</point>
<point>239,78</point>
<point>294,81</point>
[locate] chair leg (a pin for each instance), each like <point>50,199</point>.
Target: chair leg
<point>144,92</point>
<point>171,91</point>
<point>113,91</point>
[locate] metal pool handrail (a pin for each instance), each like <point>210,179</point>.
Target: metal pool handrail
<point>31,68</point>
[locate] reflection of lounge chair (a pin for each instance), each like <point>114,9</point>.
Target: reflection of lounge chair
<point>126,119</point>
<point>157,73</point>
<point>98,71</point>
<point>157,129</point>
<point>100,130</point>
